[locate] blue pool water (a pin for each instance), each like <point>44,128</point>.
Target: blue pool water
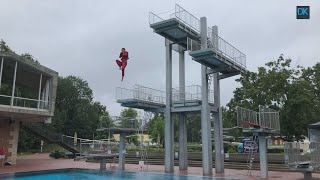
<point>96,175</point>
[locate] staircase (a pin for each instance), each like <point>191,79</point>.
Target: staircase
<point>51,137</point>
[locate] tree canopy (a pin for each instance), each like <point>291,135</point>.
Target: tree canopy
<point>294,91</point>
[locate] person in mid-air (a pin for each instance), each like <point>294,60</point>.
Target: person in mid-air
<point>122,63</point>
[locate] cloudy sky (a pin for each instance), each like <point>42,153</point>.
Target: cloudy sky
<point>84,37</point>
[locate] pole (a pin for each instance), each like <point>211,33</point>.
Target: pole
<point>169,159</point>
<point>205,113</point>
<point>14,83</point>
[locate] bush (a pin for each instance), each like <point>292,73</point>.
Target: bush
<point>57,154</point>
<point>276,150</point>
<point>195,148</point>
<point>229,148</point>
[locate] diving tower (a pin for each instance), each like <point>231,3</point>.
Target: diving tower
<point>219,60</point>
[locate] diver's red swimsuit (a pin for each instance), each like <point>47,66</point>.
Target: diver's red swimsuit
<point>123,63</point>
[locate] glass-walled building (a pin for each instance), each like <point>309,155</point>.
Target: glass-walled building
<point>27,94</point>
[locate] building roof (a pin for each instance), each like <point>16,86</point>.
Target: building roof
<point>314,125</point>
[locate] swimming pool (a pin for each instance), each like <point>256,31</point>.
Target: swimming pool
<point>81,174</point>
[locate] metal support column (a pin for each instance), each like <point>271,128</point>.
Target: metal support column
<point>263,156</point>
<point>103,162</point>
<point>205,113</point>
<point>14,83</point>
<point>122,151</point>
<point>218,125</point>
<point>183,153</point>
<point>1,71</point>
<point>169,158</point>
<point>39,90</point>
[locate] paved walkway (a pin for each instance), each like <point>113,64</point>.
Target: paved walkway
<point>44,162</point>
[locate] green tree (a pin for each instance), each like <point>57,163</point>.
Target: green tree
<point>280,87</point>
<point>105,121</point>
<point>194,128</point>
<point>4,47</point>
<point>155,127</point>
<point>128,115</point>
<point>75,109</point>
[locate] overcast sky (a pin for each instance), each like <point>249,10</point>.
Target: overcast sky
<point>84,37</point>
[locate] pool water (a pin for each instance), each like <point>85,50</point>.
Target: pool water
<point>96,175</point>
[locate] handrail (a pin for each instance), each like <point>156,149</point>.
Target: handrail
<point>181,15</point>
<point>223,48</point>
<point>151,14</point>
<point>188,21</point>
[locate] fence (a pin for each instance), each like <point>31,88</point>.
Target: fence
<point>226,49</point>
<point>190,93</point>
<point>269,118</point>
<point>266,118</point>
<point>180,14</point>
<point>246,117</point>
<point>25,102</point>
<point>90,147</point>
<point>153,18</point>
<point>141,93</point>
<point>295,158</point>
<point>220,47</point>
<point>186,18</point>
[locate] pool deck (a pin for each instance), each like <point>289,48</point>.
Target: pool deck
<point>38,162</point>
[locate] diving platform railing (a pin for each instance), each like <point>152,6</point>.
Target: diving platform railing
<point>219,53</point>
<point>180,25</point>
<point>148,98</point>
<point>183,29</point>
<point>186,18</point>
<point>266,120</point>
<point>140,97</point>
<point>182,16</point>
<point>269,118</point>
<point>190,94</point>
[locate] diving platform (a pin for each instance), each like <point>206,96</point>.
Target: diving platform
<point>141,97</point>
<point>183,29</point>
<point>219,56</point>
<point>180,26</point>
<point>217,60</point>
<point>266,121</point>
<point>187,99</point>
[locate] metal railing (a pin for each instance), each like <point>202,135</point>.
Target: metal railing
<point>266,118</point>
<point>180,14</point>
<point>186,18</point>
<point>190,93</point>
<point>37,128</point>
<point>221,48</point>
<point>315,155</point>
<point>296,158</point>
<point>246,118</point>
<point>90,147</point>
<point>25,102</point>
<point>193,45</point>
<point>269,118</point>
<point>153,18</point>
<point>141,93</point>
<point>126,122</point>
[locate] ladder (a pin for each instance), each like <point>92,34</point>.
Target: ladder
<point>143,154</point>
<point>252,150</point>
